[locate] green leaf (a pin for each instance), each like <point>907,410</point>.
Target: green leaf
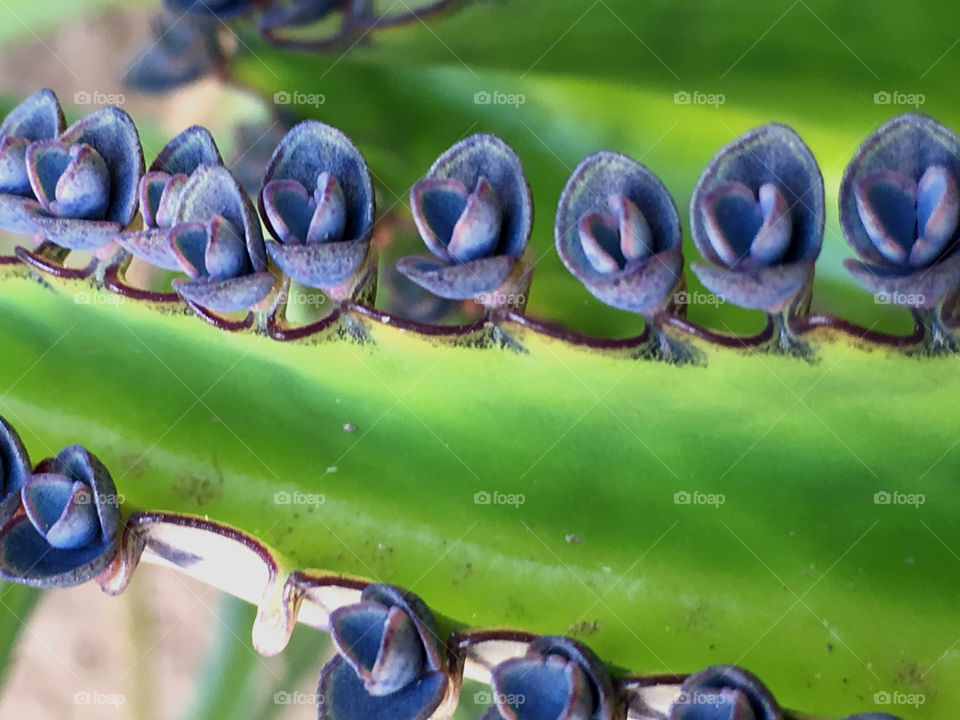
<point>815,59</point>
<point>16,606</point>
<point>798,556</point>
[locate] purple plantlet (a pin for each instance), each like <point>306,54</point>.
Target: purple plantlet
<point>899,210</point>
<point>317,202</point>
<point>557,679</point>
<point>617,231</point>
<point>474,212</point>
<point>64,528</point>
<point>390,663</point>
<point>183,48</point>
<point>84,185</point>
<point>727,692</point>
<point>86,181</point>
<point>557,689</point>
<point>357,21</point>
<point>381,644</point>
<point>217,242</point>
<point>160,191</point>
<point>757,214</point>
<point>14,465</point>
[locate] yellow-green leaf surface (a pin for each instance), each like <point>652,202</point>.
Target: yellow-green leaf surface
<point>796,571</point>
<point>802,573</point>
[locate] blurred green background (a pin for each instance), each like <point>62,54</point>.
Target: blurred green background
<point>664,81</point>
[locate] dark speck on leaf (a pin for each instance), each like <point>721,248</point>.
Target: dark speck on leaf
<point>200,490</point>
<point>585,628</point>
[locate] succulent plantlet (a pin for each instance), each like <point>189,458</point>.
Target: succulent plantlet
<point>617,231</point>
<point>217,241</point>
<point>724,691</point>
<point>474,213</point>
<point>65,526</point>
<point>273,17</point>
<point>757,215</point>
<point>557,679</point>
<point>318,204</point>
<point>84,182</point>
<point>183,48</point>
<point>14,465</point>
<point>390,663</point>
<point>39,117</point>
<point>160,192</point>
<point>357,20</point>
<point>899,209</point>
